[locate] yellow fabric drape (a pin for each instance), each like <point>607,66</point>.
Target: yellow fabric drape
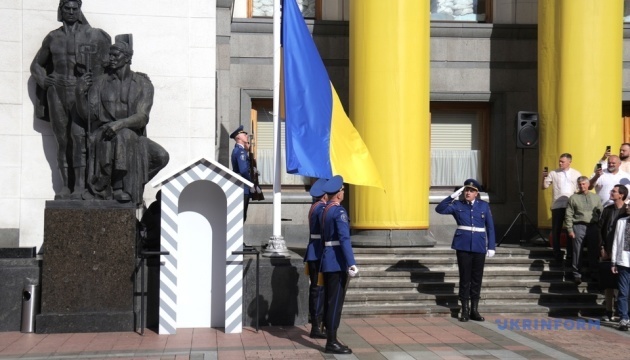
<point>389,105</point>
<point>580,47</point>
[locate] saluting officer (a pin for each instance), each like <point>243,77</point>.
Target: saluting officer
<point>314,251</point>
<point>240,161</point>
<point>473,239</point>
<point>337,261</point>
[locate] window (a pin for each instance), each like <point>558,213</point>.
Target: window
<point>262,118</point>
<point>625,115</point>
<point>311,9</point>
<point>458,143</point>
<point>460,10</point>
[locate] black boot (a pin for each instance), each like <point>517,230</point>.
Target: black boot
<point>333,346</point>
<point>474,314</point>
<point>316,329</point>
<point>465,314</point>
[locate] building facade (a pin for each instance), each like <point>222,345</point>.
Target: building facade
<point>211,63</point>
<point>484,69</point>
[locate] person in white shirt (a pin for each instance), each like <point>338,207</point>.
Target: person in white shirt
<point>564,181</point>
<point>605,179</point>
<point>624,156</point>
<point>620,264</point>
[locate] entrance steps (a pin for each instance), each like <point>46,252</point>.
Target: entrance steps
<point>517,280</point>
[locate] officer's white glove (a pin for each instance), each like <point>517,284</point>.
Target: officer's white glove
<point>252,189</point>
<point>490,253</point>
<point>353,271</point>
<point>456,194</point>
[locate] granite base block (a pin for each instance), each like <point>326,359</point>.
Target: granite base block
<point>85,322</point>
<point>283,291</point>
<point>88,267</point>
<point>14,275</point>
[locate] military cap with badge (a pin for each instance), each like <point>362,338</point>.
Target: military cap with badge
<point>334,185</point>
<point>239,130</point>
<point>316,190</point>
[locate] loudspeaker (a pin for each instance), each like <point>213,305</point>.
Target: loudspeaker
<point>526,130</point>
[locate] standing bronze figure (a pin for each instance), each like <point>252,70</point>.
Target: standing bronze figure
<point>66,54</point>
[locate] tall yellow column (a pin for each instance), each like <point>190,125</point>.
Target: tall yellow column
<point>548,119</point>
<point>389,105</point>
<point>580,67</point>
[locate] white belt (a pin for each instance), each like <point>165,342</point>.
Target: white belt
<point>332,243</point>
<point>471,228</point>
<point>315,236</point>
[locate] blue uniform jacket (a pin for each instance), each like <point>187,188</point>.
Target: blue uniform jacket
<point>477,215</point>
<point>240,163</point>
<point>315,245</point>
<point>336,227</point>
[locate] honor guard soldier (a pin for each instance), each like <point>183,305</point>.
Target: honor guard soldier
<point>314,251</point>
<point>337,261</point>
<point>473,239</point>
<point>240,161</point>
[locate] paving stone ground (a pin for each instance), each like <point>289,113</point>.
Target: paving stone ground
<point>386,337</point>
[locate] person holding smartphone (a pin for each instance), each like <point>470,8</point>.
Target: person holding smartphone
<point>564,184</point>
<point>603,180</point>
<point>624,156</point>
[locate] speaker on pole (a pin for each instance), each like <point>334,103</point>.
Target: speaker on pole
<point>526,130</point>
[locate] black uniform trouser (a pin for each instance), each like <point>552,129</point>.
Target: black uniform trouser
<point>470,266</point>
<point>245,206</point>
<point>335,290</point>
<point>315,292</point>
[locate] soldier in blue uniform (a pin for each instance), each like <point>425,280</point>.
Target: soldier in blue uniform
<point>314,251</point>
<point>240,161</point>
<point>473,240</point>
<point>337,261</point>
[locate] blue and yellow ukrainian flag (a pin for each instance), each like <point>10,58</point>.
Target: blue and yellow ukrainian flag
<point>320,139</point>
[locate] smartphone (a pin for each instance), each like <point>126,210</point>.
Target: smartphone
<point>546,169</point>
<point>608,148</point>
<point>599,166</point>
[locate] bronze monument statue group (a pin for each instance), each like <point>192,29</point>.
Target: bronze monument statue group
<point>98,108</point>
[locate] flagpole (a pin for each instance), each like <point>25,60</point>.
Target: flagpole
<point>276,246</point>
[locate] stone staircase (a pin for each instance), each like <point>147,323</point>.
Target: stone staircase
<point>517,280</point>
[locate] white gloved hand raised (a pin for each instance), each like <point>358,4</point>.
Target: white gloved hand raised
<point>456,194</point>
<point>490,253</point>
<point>353,271</point>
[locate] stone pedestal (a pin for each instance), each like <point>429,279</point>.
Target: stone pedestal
<point>88,265</point>
<point>283,292</point>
